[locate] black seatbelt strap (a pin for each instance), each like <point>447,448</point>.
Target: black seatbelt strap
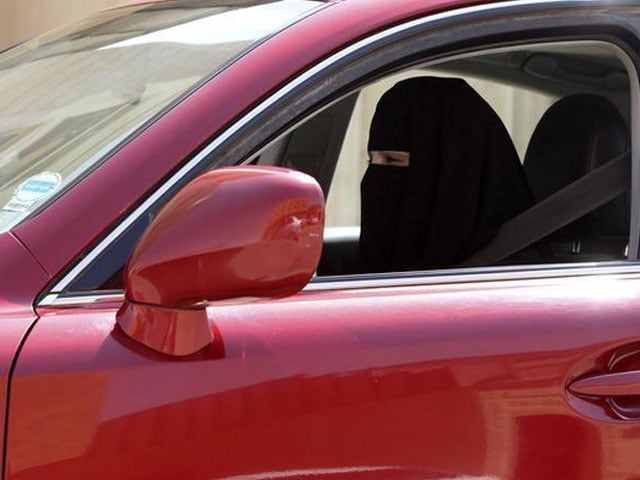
<point>554,212</point>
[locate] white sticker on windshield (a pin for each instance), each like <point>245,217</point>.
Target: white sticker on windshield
<point>33,190</point>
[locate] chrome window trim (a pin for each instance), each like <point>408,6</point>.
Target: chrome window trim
<point>58,300</point>
<point>408,279</point>
<point>457,14</point>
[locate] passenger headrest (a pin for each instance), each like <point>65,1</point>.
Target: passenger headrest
<point>576,135</point>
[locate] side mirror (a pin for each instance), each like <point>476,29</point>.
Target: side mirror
<point>232,233</point>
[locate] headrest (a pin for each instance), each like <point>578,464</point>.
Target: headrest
<point>576,135</point>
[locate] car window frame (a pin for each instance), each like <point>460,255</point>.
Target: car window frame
<point>433,37</point>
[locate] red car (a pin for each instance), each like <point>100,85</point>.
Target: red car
<point>178,302</point>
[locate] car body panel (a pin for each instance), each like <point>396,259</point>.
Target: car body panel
<point>467,379</point>
<point>21,278</point>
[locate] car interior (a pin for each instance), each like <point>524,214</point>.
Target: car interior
<point>567,107</point>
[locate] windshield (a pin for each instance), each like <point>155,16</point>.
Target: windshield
<point>69,98</point>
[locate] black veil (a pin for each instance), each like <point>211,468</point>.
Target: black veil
<point>463,182</point>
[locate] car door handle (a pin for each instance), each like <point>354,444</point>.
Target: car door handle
<point>607,385</point>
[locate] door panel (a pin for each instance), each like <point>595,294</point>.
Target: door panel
<point>402,383</point>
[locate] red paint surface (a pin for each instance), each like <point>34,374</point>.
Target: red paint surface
<point>231,233</point>
<point>440,381</point>
<point>20,280</point>
<point>234,233</point>
<point>608,385</point>
<point>172,331</point>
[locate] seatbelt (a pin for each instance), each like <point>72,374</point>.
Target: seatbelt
<point>554,212</point>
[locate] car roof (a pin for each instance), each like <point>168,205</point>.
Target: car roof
<point>396,5</point>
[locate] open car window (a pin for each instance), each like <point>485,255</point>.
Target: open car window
<point>566,110</point>
<point>561,111</point>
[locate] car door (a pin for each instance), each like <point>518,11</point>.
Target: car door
<point>469,373</point>
<point>426,381</point>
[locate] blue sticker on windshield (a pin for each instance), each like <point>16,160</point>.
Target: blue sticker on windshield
<point>33,190</point>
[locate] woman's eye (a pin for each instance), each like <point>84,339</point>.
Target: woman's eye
<point>398,158</point>
<point>389,158</point>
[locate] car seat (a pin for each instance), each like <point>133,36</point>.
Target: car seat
<point>576,135</point>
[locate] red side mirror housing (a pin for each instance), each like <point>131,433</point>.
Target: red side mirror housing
<point>232,233</point>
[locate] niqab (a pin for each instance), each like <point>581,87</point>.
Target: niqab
<point>464,178</point>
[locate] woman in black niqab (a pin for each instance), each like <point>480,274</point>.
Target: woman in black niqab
<point>463,181</point>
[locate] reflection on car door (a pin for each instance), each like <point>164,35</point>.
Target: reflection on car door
<point>431,381</point>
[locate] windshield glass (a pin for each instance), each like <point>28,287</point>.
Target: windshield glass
<point>69,98</point>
